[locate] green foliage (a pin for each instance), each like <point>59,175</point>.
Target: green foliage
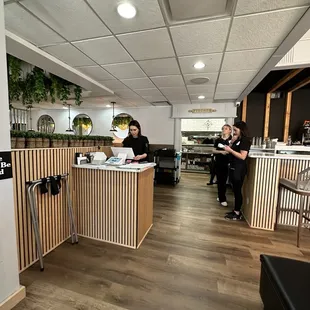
<point>40,90</point>
<point>14,77</point>
<point>18,134</point>
<point>78,95</point>
<point>120,120</point>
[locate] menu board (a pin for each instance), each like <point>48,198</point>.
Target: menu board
<point>210,124</point>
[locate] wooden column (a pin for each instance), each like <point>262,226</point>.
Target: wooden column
<point>244,107</point>
<point>267,115</point>
<point>287,116</point>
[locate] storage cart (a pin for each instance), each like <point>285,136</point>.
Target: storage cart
<point>168,166</point>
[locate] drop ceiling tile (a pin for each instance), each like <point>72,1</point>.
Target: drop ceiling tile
<point>228,88</point>
<point>212,62</point>
<point>73,19</point>
<point>96,73</point>
<point>206,90</point>
<point>148,44</point>
<point>127,70</point>
<point>126,94</point>
<point>208,97</point>
<point>262,30</point>
<point>231,95</point>
<point>210,100</point>
<point>177,102</point>
<point>168,81</point>
<point>246,60</point>
<point>211,76</point>
<point>139,83</point>
<point>245,76</point>
<point>148,92</point>
<point>148,15</point>
<point>158,67</point>
<point>201,37</point>
<point>154,98</point>
<point>255,6</point>
<point>173,90</point>
<point>22,23</point>
<point>114,84</point>
<point>161,104</point>
<point>178,97</point>
<point>104,51</point>
<point>69,54</point>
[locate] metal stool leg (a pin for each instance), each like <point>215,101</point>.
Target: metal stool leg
<point>277,210</point>
<point>74,237</point>
<point>34,216</point>
<point>301,213</point>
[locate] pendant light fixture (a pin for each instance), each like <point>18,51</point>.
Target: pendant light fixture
<point>113,128</point>
<point>69,118</point>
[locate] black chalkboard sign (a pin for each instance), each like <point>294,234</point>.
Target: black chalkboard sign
<point>5,165</point>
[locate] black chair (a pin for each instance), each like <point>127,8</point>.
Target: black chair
<point>284,283</point>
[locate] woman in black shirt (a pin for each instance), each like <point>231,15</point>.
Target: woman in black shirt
<point>135,140</point>
<point>239,151</point>
<point>221,162</point>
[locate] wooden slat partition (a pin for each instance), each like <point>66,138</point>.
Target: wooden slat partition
<point>261,191</point>
<point>113,206</point>
<point>32,164</point>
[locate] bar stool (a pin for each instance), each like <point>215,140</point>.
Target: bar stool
<point>299,187</point>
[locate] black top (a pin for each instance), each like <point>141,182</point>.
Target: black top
<point>220,158</point>
<point>242,144</point>
<point>140,145</point>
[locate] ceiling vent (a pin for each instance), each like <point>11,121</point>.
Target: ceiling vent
<point>202,80</point>
<point>182,11</point>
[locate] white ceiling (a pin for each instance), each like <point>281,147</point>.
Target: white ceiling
<point>145,59</point>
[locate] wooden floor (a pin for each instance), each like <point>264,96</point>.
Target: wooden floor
<point>191,259</point>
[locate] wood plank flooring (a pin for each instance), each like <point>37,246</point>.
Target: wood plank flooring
<point>191,259</point>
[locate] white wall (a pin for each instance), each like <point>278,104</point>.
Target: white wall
<point>9,278</point>
<point>156,122</point>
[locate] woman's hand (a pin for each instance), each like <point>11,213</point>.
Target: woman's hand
<point>228,149</point>
<point>138,157</point>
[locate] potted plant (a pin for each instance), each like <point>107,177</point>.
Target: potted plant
<point>14,135</point>
<point>108,141</point>
<point>38,139</point>
<point>73,140</point>
<point>30,140</point>
<point>20,139</point>
<point>45,139</point>
<point>65,140</point>
<point>56,140</point>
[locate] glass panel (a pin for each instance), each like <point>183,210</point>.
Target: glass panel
<point>82,125</point>
<point>46,124</point>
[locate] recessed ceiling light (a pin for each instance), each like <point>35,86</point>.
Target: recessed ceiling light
<point>108,106</point>
<point>201,97</point>
<point>126,10</point>
<point>199,65</point>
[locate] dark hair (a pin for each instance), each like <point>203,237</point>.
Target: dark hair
<point>243,127</point>
<point>136,124</point>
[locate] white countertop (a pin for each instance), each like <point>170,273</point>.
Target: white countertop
<point>124,168</point>
<point>279,156</point>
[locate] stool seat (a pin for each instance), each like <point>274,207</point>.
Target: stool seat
<point>284,283</point>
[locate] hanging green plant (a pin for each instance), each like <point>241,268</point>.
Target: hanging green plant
<point>122,121</point>
<point>27,87</point>
<point>78,95</point>
<point>14,77</point>
<point>40,90</point>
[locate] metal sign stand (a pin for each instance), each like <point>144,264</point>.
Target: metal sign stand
<point>34,214</point>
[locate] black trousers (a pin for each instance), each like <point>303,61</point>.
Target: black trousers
<point>236,176</point>
<point>221,170</point>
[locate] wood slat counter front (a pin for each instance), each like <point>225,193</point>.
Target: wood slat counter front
<point>261,189</point>
<point>113,205</point>
<point>33,164</point>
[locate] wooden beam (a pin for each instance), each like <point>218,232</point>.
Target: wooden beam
<point>244,107</point>
<point>300,84</point>
<point>285,79</point>
<point>267,115</point>
<point>287,117</point>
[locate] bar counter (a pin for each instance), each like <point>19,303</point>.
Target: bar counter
<point>113,204</point>
<point>261,188</point>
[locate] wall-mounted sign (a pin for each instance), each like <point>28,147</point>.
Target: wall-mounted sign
<point>201,110</point>
<point>5,165</point>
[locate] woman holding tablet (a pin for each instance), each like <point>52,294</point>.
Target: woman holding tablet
<point>135,140</point>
